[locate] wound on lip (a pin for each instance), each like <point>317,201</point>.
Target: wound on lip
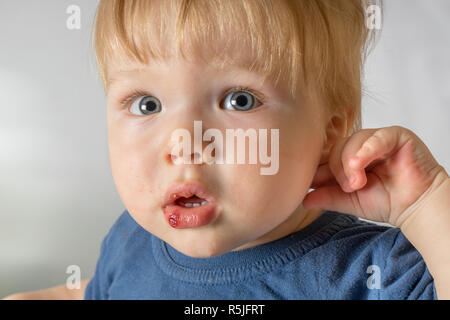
<point>173,220</point>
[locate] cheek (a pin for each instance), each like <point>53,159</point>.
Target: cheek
<point>300,150</point>
<point>255,198</point>
<point>133,167</point>
<point>272,198</point>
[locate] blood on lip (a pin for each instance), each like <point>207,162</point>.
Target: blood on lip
<point>178,216</point>
<point>173,220</point>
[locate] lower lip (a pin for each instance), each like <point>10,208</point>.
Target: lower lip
<point>180,217</point>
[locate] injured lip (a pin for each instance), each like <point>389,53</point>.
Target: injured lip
<point>189,205</point>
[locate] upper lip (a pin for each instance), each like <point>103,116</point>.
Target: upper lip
<point>186,189</point>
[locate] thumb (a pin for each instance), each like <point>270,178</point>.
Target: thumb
<point>332,198</point>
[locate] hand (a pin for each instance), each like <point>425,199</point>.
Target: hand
<point>376,174</point>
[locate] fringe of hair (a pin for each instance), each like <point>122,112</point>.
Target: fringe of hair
<point>317,45</point>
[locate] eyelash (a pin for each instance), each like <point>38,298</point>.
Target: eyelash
<point>135,94</point>
<point>138,93</point>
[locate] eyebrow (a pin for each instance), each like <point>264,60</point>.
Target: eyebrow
<point>121,74</point>
<point>270,89</point>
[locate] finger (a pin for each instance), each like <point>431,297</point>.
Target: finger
<point>340,155</point>
<point>377,146</point>
<point>354,174</point>
<point>332,198</point>
<point>345,166</point>
<point>335,164</point>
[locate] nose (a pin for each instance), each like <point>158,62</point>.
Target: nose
<point>185,145</point>
<point>194,157</point>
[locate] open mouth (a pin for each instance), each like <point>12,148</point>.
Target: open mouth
<point>189,205</point>
<point>191,202</point>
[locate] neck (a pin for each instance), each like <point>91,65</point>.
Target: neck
<point>298,220</point>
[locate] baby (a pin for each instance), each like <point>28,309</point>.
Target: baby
<point>288,74</point>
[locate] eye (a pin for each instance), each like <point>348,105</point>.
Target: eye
<point>145,105</point>
<point>240,99</point>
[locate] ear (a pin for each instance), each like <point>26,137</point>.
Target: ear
<point>336,129</point>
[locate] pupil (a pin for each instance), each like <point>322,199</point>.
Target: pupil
<point>241,100</point>
<point>150,106</point>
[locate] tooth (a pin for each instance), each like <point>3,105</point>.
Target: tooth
<point>204,202</point>
<point>196,204</point>
<point>188,204</point>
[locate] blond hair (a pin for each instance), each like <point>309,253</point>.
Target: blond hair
<point>320,43</point>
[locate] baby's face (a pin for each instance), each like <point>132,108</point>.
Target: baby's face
<point>248,207</point>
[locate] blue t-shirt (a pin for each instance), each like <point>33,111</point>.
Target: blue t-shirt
<point>337,256</point>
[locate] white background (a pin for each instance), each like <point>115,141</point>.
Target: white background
<point>57,196</point>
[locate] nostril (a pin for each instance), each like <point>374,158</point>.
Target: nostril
<point>171,157</point>
<point>195,156</point>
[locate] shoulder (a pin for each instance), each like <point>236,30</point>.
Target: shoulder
<point>379,241</point>
<point>362,248</point>
<point>116,245</point>
<point>363,234</point>
<point>353,234</point>
<point>124,238</point>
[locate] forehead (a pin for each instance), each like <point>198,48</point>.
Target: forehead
<point>213,54</point>
<point>255,35</point>
<point>237,68</point>
<point>231,74</point>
